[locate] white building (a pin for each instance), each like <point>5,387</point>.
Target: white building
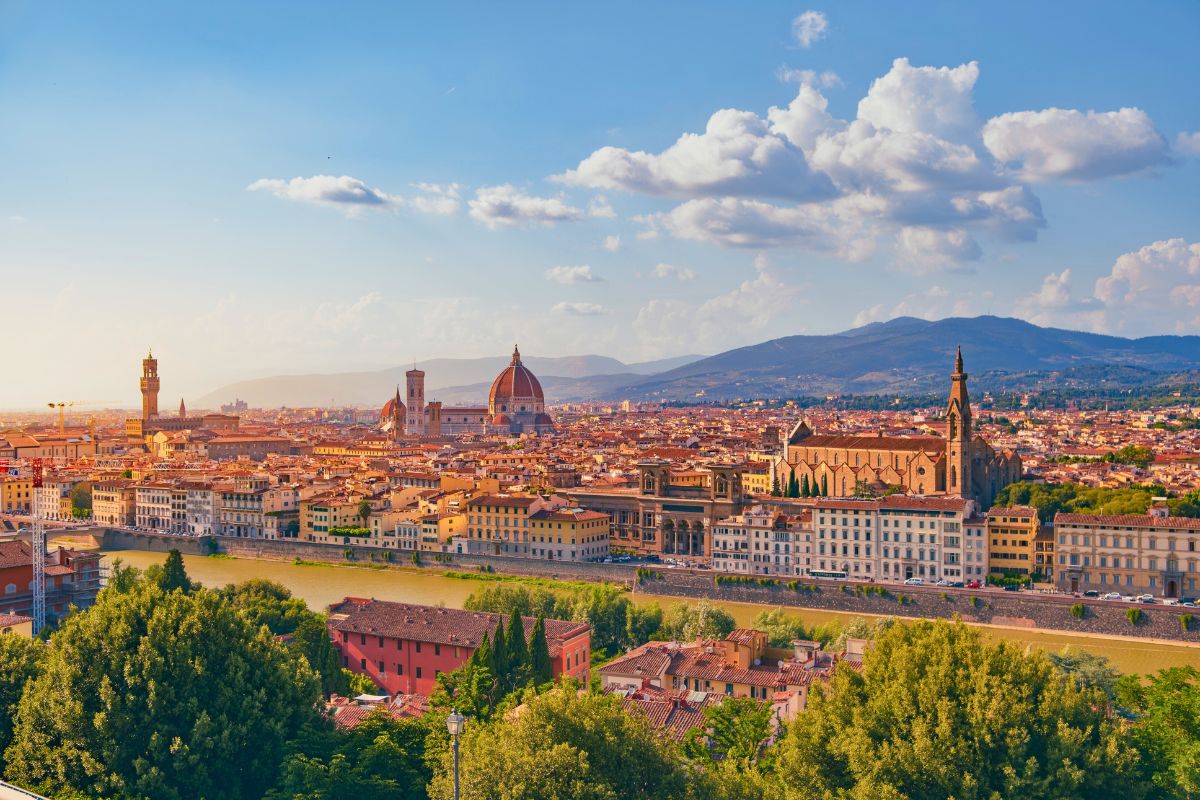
<point>760,541</point>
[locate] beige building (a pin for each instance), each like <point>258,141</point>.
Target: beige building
<point>1011,534</point>
<point>761,541</point>
<point>114,502</point>
<point>1129,553</point>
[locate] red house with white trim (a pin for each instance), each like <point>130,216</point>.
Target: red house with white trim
<point>402,647</point>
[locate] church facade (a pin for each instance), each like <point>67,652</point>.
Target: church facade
<point>960,465</point>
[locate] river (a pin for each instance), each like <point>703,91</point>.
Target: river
<point>319,585</point>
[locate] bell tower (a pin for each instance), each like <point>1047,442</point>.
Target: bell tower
<point>149,386</point>
<point>415,380</point>
<point>958,441</point>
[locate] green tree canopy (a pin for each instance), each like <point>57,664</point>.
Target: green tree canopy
<point>173,575</point>
<point>737,731</point>
<point>565,745</point>
<point>154,693</point>
<point>937,712</point>
<point>268,603</point>
<point>1167,730</point>
<point>540,668</point>
<point>19,659</point>
<point>690,621</point>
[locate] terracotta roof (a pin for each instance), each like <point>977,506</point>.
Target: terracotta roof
<point>1128,520</point>
<point>449,626</point>
<point>8,620</point>
<point>15,554</point>
<point>927,444</point>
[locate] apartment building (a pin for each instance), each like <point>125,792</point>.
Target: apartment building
<point>52,500</point>
<point>16,494</point>
<point>891,538</point>
<point>975,548</point>
<point>153,508</point>
<point>568,534</point>
<point>1011,534</point>
<point>1131,553</point>
<point>500,524</point>
<point>200,508</point>
<point>761,541</point>
<point>114,502</point>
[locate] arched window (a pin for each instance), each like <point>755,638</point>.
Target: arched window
<point>10,588</point>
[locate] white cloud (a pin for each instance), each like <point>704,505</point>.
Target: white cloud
<point>570,275</point>
<point>598,207</point>
<point>932,100</point>
<point>612,243</point>
<point>928,249</point>
<point>1155,286</point>
<point>579,309</point>
<point>505,206</point>
<point>936,302</point>
<point>436,198</point>
<point>1188,143</point>
<point>672,271</point>
<point>809,28</point>
<point>744,314</point>
<point>1066,144</point>
<point>827,79</point>
<point>350,194</point>
<point>736,155</point>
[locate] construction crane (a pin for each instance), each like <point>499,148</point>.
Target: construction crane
<point>62,420</point>
<point>39,551</point>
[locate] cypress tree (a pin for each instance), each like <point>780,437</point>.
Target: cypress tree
<point>824,486</point>
<point>499,665</point>
<point>775,492</point>
<point>805,491</point>
<point>482,657</point>
<point>539,653</point>
<point>514,646</point>
<point>793,486</point>
<point>174,576</point>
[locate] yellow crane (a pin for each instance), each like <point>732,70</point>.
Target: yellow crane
<point>62,406</point>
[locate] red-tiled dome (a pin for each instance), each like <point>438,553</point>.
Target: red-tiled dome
<point>391,406</point>
<point>515,382</point>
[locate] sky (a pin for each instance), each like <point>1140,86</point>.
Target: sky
<point>265,188</point>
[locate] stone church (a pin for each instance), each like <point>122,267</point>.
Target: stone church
<point>961,465</point>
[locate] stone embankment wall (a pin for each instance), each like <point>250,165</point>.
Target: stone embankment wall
<point>991,606</point>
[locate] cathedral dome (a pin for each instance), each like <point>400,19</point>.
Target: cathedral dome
<point>516,389</point>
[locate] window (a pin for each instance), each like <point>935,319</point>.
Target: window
<point>418,672</point>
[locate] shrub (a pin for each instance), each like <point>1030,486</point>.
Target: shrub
<point>348,554</point>
<point>974,601</point>
<point>1134,615</point>
<point>416,557</point>
<point>946,597</point>
<point>1185,622</point>
<point>1078,611</point>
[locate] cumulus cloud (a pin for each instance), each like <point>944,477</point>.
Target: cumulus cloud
<point>569,275</point>
<point>810,28</point>
<point>936,302</point>
<point>1188,143</point>
<point>436,198</point>
<point>598,207</point>
<point>932,100</point>
<point>579,309</point>
<point>342,191</point>
<point>927,249</point>
<point>740,315</point>
<point>736,155</point>
<point>612,243</point>
<point>1067,144</point>
<point>505,206</point>
<point>1157,284</point>
<point>672,271</point>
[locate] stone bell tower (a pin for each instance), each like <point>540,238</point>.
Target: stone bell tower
<point>149,386</point>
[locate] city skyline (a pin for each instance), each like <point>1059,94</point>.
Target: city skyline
<point>272,195</point>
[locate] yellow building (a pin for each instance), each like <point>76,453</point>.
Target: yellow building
<point>438,531</point>
<point>16,495</point>
<point>569,534</point>
<point>1012,535</point>
<point>17,625</point>
<point>114,502</point>
<point>321,514</point>
<point>757,479</point>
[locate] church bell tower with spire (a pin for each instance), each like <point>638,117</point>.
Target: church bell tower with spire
<point>958,445</point>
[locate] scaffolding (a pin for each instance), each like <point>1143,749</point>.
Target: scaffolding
<point>38,546</point>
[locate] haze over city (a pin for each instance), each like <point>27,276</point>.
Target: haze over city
<point>269,189</point>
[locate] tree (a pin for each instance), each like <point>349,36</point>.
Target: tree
<point>380,759</point>
<point>472,689</point>
<point>268,603</point>
<point>691,621</point>
<point>737,730</point>
<point>499,665</point>
<point>311,639</point>
<point>824,486</point>
<point>540,667</point>
<point>364,510</point>
<point>517,652</point>
<point>81,500</point>
<point>174,575</point>
<point>641,622</point>
<point>19,660</point>
<point>805,491</point>
<point>1087,669</point>
<point>154,693</point>
<point>938,712</point>
<point>1167,730</point>
<point>565,745</point>
<point>775,490</point>
<point>781,628</point>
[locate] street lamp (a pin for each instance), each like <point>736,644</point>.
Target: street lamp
<point>455,724</point>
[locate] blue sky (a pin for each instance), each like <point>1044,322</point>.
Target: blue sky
<point>288,187</point>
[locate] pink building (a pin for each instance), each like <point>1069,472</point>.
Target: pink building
<point>404,647</point>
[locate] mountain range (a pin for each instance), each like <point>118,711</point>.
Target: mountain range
<point>905,355</point>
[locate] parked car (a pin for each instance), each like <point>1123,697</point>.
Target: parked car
<point>914,582</point>
<point>1145,598</point>
<point>1011,587</point>
<point>1091,593</point>
<point>973,584</point>
<point>957,584</point>
<point>1111,596</point>
<point>944,582</point>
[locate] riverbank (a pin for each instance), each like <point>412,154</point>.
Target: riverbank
<point>324,583</point>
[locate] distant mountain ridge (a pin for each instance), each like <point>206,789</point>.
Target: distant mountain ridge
<point>374,387</point>
<point>905,355</point>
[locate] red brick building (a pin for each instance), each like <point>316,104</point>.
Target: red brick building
<point>403,647</point>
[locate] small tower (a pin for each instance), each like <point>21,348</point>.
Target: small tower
<point>182,409</point>
<point>398,420</point>
<point>958,440</point>
<point>149,386</point>
<point>415,379</point>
